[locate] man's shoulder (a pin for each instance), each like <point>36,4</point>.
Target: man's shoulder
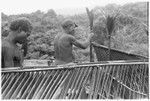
<point>6,44</point>
<point>63,35</point>
<point>58,35</point>
<point>69,36</point>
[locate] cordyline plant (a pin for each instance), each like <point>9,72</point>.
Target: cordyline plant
<point>110,26</point>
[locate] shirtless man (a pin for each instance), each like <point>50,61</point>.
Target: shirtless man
<point>12,55</point>
<point>63,43</point>
<point>63,46</point>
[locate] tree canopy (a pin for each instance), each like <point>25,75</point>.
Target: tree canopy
<point>130,33</point>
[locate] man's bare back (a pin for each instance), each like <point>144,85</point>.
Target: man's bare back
<point>63,48</point>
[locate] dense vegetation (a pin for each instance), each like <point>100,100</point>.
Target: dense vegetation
<point>130,34</point>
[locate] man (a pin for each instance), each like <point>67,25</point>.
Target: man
<point>5,32</point>
<point>63,47</point>
<point>63,43</point>
<point>12,55</point>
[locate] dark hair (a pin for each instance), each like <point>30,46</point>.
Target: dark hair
<point>67,23</point>
<point>22,24</point>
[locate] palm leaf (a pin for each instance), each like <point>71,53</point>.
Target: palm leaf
<point>110,23</point>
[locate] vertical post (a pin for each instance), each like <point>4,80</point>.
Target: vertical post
<point>109,47</point>
<point>91,17</point>
<point>91,54</point>
<point>147,18</point>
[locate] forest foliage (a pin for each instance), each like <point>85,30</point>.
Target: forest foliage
<point>130,34</point>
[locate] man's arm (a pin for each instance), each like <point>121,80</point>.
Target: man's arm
<point>25,48</point>
<point>21,56</point>
<point>8,58</point>
<point>79,44</point>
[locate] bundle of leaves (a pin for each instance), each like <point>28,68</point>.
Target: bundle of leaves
<point>91,17</point>
<point>110,23</point>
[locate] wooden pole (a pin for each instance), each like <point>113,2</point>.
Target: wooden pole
<point>148,18</point>
<point>109,48</point>
<point>91,17</point>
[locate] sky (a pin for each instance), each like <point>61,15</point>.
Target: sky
<point>64,7</point>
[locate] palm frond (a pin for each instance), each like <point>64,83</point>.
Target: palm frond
<point>110,23</point>
<point>91,17</point>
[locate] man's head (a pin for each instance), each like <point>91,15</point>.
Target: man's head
<point>22,27</point>
<point>69,26</point>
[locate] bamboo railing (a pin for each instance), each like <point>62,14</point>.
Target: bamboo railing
<point>107,80</point>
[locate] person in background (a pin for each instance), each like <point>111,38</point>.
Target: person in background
<point>12,55</point>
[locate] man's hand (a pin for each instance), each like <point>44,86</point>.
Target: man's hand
<point>70,64</point>
<point>21,66</point>
<point>91,35</point>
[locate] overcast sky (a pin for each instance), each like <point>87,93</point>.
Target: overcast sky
<point>60,6</point>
